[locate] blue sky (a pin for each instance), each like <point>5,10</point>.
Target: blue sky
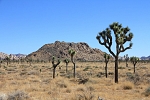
<point>26,25</point>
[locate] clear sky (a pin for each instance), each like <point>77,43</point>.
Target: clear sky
<point>26,25</point>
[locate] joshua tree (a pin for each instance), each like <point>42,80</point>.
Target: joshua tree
<point>55,65</point>
<point>72,53</point>
<point>66,61</point>
<point>126,59</point>
<point>107,57</point>
<point>134,60</point>
<point>7,59</point>
<point>121,36</point>
<point>0,61</point>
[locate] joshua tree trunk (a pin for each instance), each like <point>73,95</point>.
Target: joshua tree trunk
<point>116,69</point>
<point>126,64</point>
<point>54,68</point>
<point>66,67</point>
<point>134,68</point>
<point>106,70</point>
<point>74,74</point>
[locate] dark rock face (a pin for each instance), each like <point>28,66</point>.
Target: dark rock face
<point>60,49</point>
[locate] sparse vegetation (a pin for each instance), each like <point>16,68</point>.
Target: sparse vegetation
<point>35,85</point>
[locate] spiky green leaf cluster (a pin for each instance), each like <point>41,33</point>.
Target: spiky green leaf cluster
<point>53,60</point>
<point>134,59</point>
<point>121,33</point>
<point>66,60</point>
<point>106,56</point>
<point>126,57</point>
<point>71,52</point>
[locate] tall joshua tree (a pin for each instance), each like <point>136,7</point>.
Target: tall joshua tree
<point>66,61</point>
<point>126,59</point>
<point>134,60</point>
<point>72,53</point>
<point>55,65</point>
<point>121,35</point>
<point>107,57</point>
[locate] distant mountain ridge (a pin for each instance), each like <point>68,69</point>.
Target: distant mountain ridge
<point>145,58</point>
<point>15,56</point>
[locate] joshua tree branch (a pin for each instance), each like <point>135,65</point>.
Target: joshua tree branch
<point>125,49</point>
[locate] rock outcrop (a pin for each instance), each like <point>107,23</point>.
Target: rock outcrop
<point>60,49</point>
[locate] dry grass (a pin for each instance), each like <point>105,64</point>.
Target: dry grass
<point>25,82</point>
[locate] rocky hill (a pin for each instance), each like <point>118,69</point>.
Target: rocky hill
<point>60,49</point>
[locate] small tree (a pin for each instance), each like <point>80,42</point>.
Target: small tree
<point>55,65</point>
<point>107,57</point>
<point>134,60</point>
<point>7,59</point>
<point>72,53</point>
<point>29,60</point>
<point>66,61</point>
<point>1,61</point>
<point>121,37</point>
<point>126,59</point>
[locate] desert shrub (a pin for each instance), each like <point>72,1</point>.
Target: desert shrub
<point>148,75</point>
<point>17,95</point>
<point>127,86</point>
<point>85,95</point>
<point>24,66</point>
<point>87,68</point>
<point>83,80</point>
<point>143,67</point>
<point>147,92</point>
<point>61,84</point>
<point>3,96</point>
<point>5,67</point>
<point>129,74</point>
<point>95,66</point>
<point>10,69</point>
<point>110,73</point>
<point>23,73</point>
<point>46,81</point>
<point>33,72</point>
<point>137,78</point>
<point>2,73</point>
<point>100,74</point>
<point>90,88</point>
<point>121,67</point>
<point>80,89</point>
<point>68,90</point>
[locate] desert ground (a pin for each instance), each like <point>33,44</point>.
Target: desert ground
<point>34,82</point>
